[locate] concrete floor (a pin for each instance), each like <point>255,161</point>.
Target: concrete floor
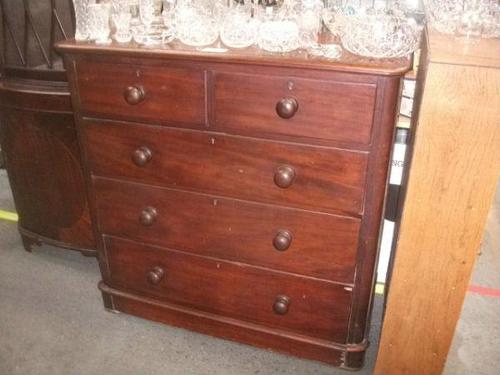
<point>52,322</point>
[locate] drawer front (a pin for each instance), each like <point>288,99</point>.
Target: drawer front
<point>265,171</point>
<point>305,108</point>
<point>306,306</point>
<point>313,244</point>
<point>160,94</point>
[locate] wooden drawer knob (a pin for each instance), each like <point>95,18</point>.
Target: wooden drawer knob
<point>282,240</point>
<point>134,94</point>
<point>156,275</point>
<point>284,176</point>
<point>281,305</point>
<point>148,216</point>
<point>287,107</point>
<point>142,156</point>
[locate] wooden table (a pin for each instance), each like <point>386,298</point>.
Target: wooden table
<point>450,187</point>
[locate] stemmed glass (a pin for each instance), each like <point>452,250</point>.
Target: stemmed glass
<point>168,14</point>
<point>147,13</point>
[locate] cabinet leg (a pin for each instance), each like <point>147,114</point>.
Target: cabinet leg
<point>28,242</point>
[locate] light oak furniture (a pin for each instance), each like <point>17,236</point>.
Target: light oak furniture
<point>450,188</point>
<point>238,194</point>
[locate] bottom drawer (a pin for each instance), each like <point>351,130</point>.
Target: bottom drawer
<point>302,305</point>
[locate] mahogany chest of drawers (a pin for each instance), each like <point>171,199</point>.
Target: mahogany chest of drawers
<point>238,194</point>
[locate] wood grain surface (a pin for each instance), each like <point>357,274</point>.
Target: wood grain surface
<point>450,188</point>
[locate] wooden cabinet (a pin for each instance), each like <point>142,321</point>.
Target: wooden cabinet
<point>239,194</point>
<point>37,127</point>
<point>44,165</point>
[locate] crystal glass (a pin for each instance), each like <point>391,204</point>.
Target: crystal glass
<point>309,21</point>
<point>239,29</point>
<point>99,29</point>
<point>82,18</point>
<point>278,31</point>
<point>491,22</point>
<point>380,34</point>
<point>168,15</point>
<point>152,35</point>
<point>471,19</point>
<point>147,12</point>
<point>120,6</point>
<point>122,21</point>
<point>197,22</point>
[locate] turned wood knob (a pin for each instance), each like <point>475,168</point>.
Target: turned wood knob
<point>156,275</point>
<point>148,216</point>
<point>142,156</point>
<point>284,176</point>
<point>281,305</point>
<point>287,107</point>
<point>134,94</point>
<point>282,240</point>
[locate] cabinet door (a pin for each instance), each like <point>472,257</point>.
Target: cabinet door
<point>44,166</point>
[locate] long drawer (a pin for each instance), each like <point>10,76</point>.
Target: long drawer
<point>290,240</point>
<point>311,109</point>
<point>279,173</point>
<point>306,306</point>
<point>161,94</point>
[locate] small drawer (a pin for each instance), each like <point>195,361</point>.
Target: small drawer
<point>161,94</point>
<point>309,109</point>
<point>290,240</point>
<point>307,306</point>
<point>295,175</point>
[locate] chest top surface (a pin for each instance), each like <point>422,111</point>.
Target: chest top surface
<point>218,53</point>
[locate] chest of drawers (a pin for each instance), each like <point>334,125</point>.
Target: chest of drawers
<point>238,194</point>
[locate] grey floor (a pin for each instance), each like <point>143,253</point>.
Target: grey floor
<point>52,322</point>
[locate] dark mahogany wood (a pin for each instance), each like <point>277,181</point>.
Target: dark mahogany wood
<point>271,105</point>
<point>142,92</point>
<point>248,207</point>
<point>324,179</point>
<point>253,57</point>
<point>323,246</point>
<point>315,308</point>
<point>44,166</point>
<point>346,356</point>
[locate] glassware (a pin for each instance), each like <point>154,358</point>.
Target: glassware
<point>470,20</point>
<point>99,29</point>
<point>239,29</point>
<point>309,21</point>
<point>120,6</point>
<point>151,36</point>
<point>122,21</point>
<point>197,22</point>
<point>380,34</point>
<point>491,22</point>
<point>467,19</point>
<point>147,12</point>
<point>82,18</point>
<point>168,15</point>
<point>278,31</point>
<point>330,51</point>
